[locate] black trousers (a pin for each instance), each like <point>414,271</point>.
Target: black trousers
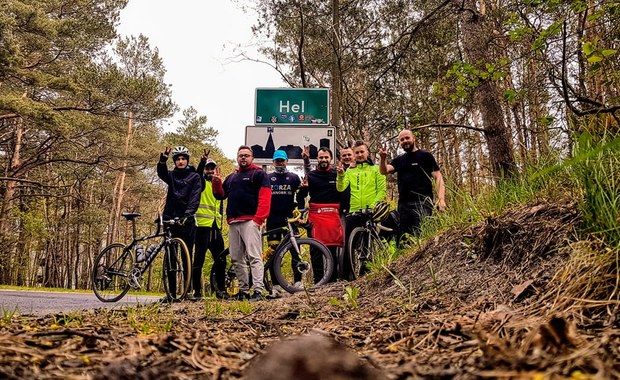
<point>208,238</point>
<point>412,213</point>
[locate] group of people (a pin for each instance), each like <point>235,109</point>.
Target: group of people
<point>255,197</point>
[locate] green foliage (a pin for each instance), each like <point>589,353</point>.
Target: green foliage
<point>69,320</point>
<point>349,299</point>
<point>150,319</point>
<point>7,315</point>
<point>596,164</point>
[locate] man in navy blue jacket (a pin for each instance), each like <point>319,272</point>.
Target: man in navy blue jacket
<point>182,198</point>
<point>284,186</point>
<point>249,200</point>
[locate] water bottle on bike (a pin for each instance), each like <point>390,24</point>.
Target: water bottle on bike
<point>140,255</point>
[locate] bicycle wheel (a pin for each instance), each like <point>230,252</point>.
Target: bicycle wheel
<point>176,269</point>
<point>110,273</point>
<point>313,266</point>
<point>362,245</point>
<point>359,250</point>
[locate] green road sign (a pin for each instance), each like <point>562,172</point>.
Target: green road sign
<point>292,106</point>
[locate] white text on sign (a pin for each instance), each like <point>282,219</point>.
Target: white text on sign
<point>287,107</point>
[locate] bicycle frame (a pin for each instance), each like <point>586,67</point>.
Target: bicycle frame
<point>140,268</point>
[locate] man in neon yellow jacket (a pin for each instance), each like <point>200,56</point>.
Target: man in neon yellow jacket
<point>208,232</point>
<point>368,186</point>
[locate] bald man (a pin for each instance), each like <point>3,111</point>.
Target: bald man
<point>416,169</point>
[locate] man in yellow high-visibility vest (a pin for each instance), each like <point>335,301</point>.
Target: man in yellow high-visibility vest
<point>209,231</point>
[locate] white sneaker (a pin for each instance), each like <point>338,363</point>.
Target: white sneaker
<point>276,292</point>
<point>298,285</point>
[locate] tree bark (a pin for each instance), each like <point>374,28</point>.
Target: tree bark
<point>477,41</point>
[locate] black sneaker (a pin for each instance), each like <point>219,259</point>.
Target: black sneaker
<point>257,296</point>
<point>222,295</point>
<point>194,298</point>
<point>240,296</point>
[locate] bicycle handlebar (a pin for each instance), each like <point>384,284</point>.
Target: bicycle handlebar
<point>298,214</point>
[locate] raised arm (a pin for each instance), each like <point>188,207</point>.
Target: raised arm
<point>384,167</point>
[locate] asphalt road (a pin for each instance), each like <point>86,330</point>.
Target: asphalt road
<point>42,303</point>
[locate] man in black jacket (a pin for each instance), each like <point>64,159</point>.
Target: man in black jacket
<point>324,203</point>
<point>182,198</point>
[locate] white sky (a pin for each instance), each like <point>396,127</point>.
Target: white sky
<point>196,39</point>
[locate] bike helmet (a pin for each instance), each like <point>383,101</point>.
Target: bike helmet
<point>180,151</point>
<point>380,211</point>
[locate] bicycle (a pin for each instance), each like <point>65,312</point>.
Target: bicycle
<point>117,269</point>
<point>365,240</point>
<point>298,262</point>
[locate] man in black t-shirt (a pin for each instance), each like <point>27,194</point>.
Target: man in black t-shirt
<point>416,169</point>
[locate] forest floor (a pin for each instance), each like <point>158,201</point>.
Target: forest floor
<point>517,296</point>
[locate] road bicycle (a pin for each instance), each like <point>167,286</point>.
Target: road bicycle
<point>119,267</point>
<point>298,262</point>
<point>364,241</point>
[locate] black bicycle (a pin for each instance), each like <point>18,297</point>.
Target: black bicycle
<point>365,240</point>
<point>119,267</point>
<point>298,262</point>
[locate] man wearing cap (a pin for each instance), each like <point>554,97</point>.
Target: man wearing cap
<point>209,230</point>
<point>284,186</point>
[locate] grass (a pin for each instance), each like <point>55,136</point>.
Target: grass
<point>150,319</point>
<point>81,291</point>
<point>591,177</point>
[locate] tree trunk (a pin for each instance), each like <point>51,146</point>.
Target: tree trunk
<point>477,42</point>
<point>119,189</point>
<point>336,91</point>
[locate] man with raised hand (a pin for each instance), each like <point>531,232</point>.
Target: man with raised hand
<point>284,186</point>
<point>209,230</point>
<point>182,198</point>
<point>416,171</point>
<point>324,204</point>
<point>249,200</point>
<point>368,186</point>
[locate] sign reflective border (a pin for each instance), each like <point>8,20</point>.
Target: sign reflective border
<point>292,106</point>
<point>264,140</point>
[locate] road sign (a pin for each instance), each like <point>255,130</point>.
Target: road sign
<point>264,140</point>
<point>291,106</point>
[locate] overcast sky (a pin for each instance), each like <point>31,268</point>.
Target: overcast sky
<point>196,40</point>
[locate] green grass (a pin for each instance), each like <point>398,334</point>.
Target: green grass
<point>591,177</point>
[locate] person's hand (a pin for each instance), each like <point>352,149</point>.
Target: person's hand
<point>163,156</point>
<point>383,153</point>
<point>441,204</point>
<point>304,182</point>
<point>216,175</point>
<point>339,167</point>
<point>305,154</point>
<point>205,155</point>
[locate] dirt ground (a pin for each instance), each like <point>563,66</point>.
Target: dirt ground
<point>519,296</point>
